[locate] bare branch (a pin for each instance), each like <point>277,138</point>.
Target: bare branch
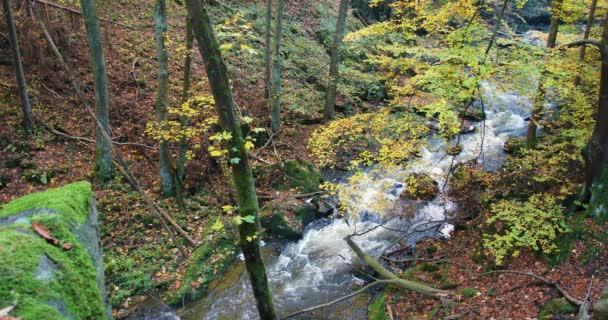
<point>325,305</point>
<point>68,9</point>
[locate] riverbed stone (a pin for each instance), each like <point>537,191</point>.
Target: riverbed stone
<point>42,279</point>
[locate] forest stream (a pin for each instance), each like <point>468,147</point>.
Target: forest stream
<point>319,267</point>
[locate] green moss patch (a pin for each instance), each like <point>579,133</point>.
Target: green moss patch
<point>291,174</point>
<point>556,308</point>
<point>377,308</point>
<point>45,281</point>
<point>70,201</point>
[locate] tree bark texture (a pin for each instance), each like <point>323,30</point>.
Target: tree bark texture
<point>217,75</point>
<point>334,66</point>
<point>164,151</point>
<point>19,74</point>
<point>539,101</point>
<point>103,154</point>
<point>275,108</point>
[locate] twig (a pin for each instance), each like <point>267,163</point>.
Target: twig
<point>414,259</point>
<point>546,281</point>
<point>325,305</point>
<point>297,196</point>
<point>123,167</point>
<point>255,156</point>
<point>66,134</point>
<point>272,135</point>
<point>58,6</point>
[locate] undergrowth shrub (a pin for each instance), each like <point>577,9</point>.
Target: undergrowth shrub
<point>532,224</point>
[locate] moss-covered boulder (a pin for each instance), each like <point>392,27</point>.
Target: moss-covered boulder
<point>420,186</point>
<point>557,309</point>
<point>287,219</point>
<point>300,175</point>
<point>59,278</point>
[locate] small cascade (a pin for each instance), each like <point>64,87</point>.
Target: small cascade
<point>318,268</point>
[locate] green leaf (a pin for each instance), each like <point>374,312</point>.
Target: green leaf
<point>235,160</point>
<point>218,225</point>
<point>248,219</point>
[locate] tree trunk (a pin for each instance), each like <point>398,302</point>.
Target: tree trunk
<point>334,67</point>
<point>20,77</point>
<point>268,49</point>
<point>164,151</point>
<point>588,28</point>
<point>583,49</point>
<point>183,143</point>
<point>103,154</point>
<point>217,74</point>
<point>596,174</point>
<point>554,26</point>
<point>275,109</point>
<point>539,101</point>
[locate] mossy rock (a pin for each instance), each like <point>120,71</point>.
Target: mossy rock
<point>455,150</point>
<point>420,186</point>
<point>291,174</point>
<point>285,219</point>
<point>556,308</point>
<point>473,114</point>
<point>44,280</point>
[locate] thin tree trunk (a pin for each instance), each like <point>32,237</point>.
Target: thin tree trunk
<point>217,74</point>
<point>123,166</point>
<point>275,109</point>
<point>334,67</point>
<point>20,77</point>
<point>183,143</point>
<point>583,49</point>
<point>539,101</point>
<point>268,50</point>
<point>596,174</point>
<point>588,28</point>
<point>103,154</point>
<point>164,151</point>
<point>497,27</point>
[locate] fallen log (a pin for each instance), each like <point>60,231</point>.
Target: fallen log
<point>396,281</point>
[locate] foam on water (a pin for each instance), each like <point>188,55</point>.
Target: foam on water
<point>318,268</point>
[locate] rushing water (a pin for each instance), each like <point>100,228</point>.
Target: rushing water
<point>319,268</point>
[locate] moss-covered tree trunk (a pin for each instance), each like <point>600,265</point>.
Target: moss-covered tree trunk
<point>162,101</point>
<point>268,49</point>
<point>217,74</point>
<point>19,75</point>
<point>275,109</point>
<point>334,66</point>
<point>183,143</point>
<point>103,152</point>
<point>539,101</point>
<point>596,174</point>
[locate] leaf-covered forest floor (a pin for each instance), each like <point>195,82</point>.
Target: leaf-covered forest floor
<point>139,257</point>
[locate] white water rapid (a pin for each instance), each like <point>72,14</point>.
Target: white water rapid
<point>318,268</point>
